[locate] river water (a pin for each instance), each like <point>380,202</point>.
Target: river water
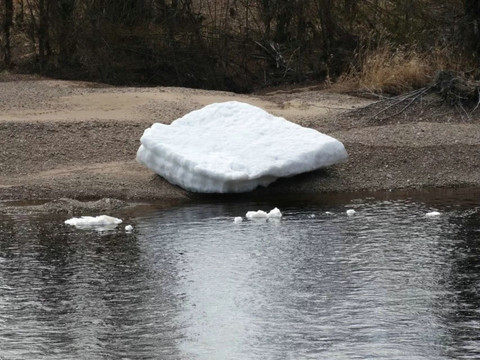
<point>188,283</point>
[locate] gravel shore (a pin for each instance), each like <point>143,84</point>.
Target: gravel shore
<point>78,140</point>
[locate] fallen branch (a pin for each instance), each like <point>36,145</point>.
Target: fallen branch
<point>478,103</point>
<point>454,91</point>
<point>459,105</point>
<point>413,99</point>
<point>400,99</point>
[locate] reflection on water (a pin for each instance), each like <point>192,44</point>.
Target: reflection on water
<point>190,284</point>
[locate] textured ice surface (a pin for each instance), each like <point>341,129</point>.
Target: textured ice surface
<point>234,147</point>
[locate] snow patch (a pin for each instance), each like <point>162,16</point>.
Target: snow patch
<point>234,147</point>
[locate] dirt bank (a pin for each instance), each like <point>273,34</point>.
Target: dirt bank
<point>78,140</point>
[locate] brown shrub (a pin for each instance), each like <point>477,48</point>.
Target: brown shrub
<point>388,70</point>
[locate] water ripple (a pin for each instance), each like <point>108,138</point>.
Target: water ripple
<point>387,282</point>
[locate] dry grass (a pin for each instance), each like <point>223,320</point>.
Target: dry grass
<point>395,71</point>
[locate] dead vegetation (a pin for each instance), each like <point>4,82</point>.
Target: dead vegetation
<point>384,47</point>
<point>450,89</point>
<point>387,70</point>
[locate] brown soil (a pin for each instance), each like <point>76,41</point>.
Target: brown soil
<point>79,140</point>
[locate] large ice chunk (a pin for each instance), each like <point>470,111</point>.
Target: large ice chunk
<point>234,147</point>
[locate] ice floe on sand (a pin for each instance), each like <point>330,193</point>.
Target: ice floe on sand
<point>234,147</point>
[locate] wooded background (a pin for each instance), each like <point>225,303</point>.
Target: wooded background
<point>237,45</point>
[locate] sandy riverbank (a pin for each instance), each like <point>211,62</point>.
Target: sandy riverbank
<point>78,140</point>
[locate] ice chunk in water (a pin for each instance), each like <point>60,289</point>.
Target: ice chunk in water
<point>102,222</point>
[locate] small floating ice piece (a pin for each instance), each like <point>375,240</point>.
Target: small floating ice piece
<point>351,212</point>
<point>93,220</point>
<point>432,214</point>
<point>274,213</point>
<point>234,147</point>
<point>260,214</point>
<point>238,220</point>
<point>102,222</point>
<point>129,228</point>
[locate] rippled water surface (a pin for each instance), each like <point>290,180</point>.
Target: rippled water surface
<point>188,283</point>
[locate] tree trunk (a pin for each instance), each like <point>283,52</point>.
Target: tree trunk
<point>21,15</point>
<point>66,39</point>
<point>7,25</point>
<point>43,33</point>
<point>472,28</point>
<point>267,17</point>
<point>327,24</point>
<point>283,17</point>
